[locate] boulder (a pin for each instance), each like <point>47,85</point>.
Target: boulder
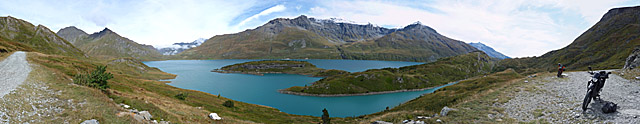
<point>214,116</point>
<point>145,114</point>
<point>138,117</point>
<point>92,121</point>
<point>445,110</point>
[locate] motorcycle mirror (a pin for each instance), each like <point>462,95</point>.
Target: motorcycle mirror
<point>589,67</point>
<point>608,72</point>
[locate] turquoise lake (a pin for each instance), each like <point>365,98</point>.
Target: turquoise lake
<point>263,90</point>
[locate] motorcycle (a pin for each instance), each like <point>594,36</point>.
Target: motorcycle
<point>594,86</point>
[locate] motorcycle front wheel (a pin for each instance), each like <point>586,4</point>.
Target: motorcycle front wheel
<point>586,101</point>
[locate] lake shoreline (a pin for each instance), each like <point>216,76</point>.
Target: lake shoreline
<point>283,91</point>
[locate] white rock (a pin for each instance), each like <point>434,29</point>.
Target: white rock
<point>445,110</point>
<point>214,116</point>
<point>92,121</point>
<point>439,120</point>
<point>145,114</point>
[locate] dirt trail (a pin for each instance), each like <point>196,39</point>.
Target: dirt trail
<point>13,72</point>
<point>559,100</point>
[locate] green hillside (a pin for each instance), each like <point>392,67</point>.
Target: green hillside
<point>303,37</point>
<point>279,66</point>
<point>443,71</point>
<point>606,45</point>
<point>107,44</point>
<point>17,34</point>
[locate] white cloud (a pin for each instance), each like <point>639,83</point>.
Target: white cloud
<point>517,28</point>
<point>157,22</point>
<point>277,8</point>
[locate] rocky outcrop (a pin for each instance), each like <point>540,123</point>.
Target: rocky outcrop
<point>490,51</point>
<point>633,60</point>
<point>445,110</point>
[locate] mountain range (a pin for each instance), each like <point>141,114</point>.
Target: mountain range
<point>304,37</point>
<point>107,44</point>
<point>176,48</point>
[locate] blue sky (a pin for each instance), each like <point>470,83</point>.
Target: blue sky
<point>517,28</point>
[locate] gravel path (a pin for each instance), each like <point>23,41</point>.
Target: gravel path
<point>559,100</point>
<point>14,70</point>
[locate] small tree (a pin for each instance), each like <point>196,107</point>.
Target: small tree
<point>228,103</point>
<point>325,116</point>
<point>96,79</point>
<point>182,96</point>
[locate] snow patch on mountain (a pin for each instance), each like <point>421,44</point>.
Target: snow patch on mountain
<point>176,48</point>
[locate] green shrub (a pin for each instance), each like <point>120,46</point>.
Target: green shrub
<point>228,103</point>
<point>325,117</point>
<point>96,79</point>
<point>182,96</point>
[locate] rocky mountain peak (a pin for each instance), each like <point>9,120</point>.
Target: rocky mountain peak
<point>418,26</point>
<point>104,31</point>
<point>617,11</point>
<point>71,34</point>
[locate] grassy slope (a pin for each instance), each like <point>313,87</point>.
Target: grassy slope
<point>27,37</point>
<point>407,45</point>
<point>135,84</point>
<point>112,45</point>
<point>413,43</point>
<point>472,98</point>
<point>307,69</point>
<point>606,45</point>
<point>257,45</point>
<point>441,72</point>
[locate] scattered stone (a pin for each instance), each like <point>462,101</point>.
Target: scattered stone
<point>423,117</point>
<point>577,115</point>
<point>499,120</point>
<point>92,121</point>
<point>526,81</point>
<point>445,110</point>
<point>439,120</point>
<point>637,78</point>
<point>125,106</point>
<point>412,122</point>
<point>381,122</point>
